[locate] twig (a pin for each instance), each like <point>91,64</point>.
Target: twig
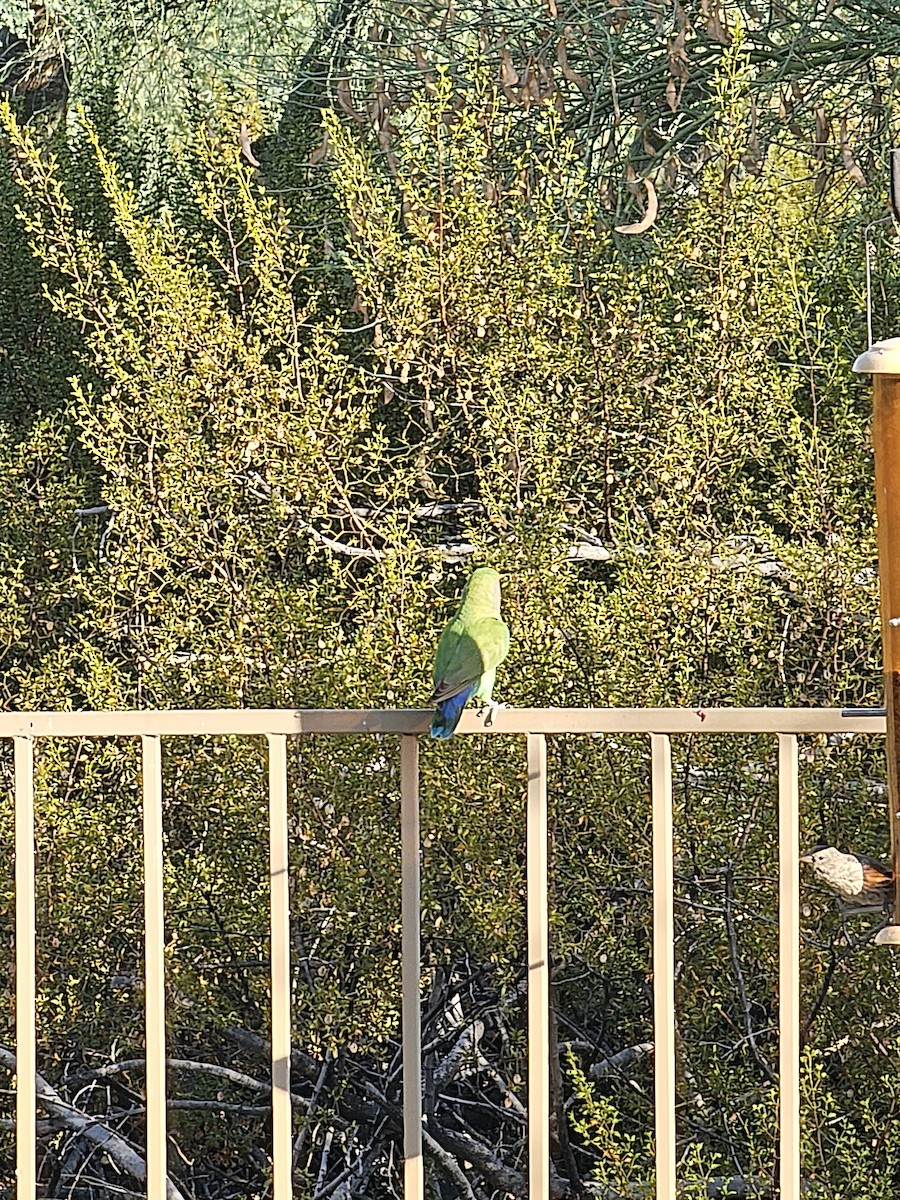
<point>323,1163</point>
<point>313,1101</point>
<point>339,547</point>
<point>506,1091</point>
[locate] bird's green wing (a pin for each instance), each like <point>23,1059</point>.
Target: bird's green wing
<point>491,635</point>
<point>466,650</point>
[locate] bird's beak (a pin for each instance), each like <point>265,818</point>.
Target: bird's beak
<point>806,858</point>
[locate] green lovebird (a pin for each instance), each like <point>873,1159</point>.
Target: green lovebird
<point>471,649</point>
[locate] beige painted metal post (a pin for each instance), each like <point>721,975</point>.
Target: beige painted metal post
<point>538,973</point>
<point>280,969</point>
<point>413,1167</point>
<point>26,1062</point>
<point>789,966</point>
<point>154,983</point>
<point>663,966</point>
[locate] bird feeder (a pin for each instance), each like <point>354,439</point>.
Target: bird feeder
<point>882,362</point>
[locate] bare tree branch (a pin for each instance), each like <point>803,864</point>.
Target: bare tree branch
<point>116,1149</point>
<point>185,1064</point>
<point>620,1060</point>
<point>447,1070</point>
<point>494,1170</point>
<point>449,1163</point>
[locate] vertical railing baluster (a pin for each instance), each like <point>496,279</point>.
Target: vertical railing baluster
<point>789,966</point>
<point>154,984</point>
<point>663,966</point>
<point>538,973</point>
<point>410,903</point>
<point>280,969</point>
<point>26,1060</point>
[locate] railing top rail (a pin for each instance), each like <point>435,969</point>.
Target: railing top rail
<point>261,721</point>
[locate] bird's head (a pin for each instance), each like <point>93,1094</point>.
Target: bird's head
<point>484,588</point>
<point>843,872</point>
<point>815,854</point>
<point>820,856</point>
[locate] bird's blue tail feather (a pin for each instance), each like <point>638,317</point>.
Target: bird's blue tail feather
<point>447,714</point>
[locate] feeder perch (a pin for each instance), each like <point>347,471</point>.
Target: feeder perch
<point>882,361</point>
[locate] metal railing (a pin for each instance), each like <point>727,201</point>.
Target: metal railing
<point>537,724</point>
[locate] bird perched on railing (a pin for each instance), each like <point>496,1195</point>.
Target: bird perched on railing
<point>472,647</point>
<point>860,883</point>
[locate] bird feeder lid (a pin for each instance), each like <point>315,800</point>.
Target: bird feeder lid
<point>889,936</point>
<point>881,359</point>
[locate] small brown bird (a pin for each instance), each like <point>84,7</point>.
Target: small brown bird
<point>860,882</point>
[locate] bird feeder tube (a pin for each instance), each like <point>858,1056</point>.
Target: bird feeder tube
<point>882,361</point>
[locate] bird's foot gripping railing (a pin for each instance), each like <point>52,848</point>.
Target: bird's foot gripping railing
<point>537,724</point>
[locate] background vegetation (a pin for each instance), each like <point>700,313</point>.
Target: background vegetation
<point>303,315</point>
